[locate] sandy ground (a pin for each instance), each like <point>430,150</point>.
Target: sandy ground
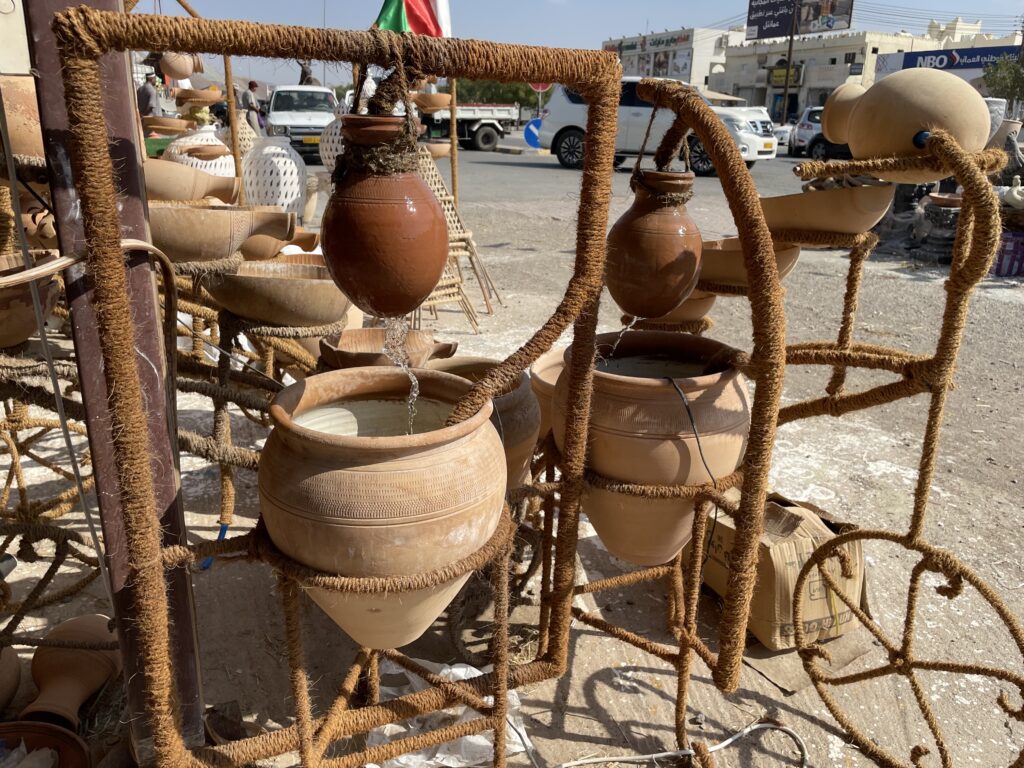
<point>616,700</point>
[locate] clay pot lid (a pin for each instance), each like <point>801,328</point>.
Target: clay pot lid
<point>836,115</point>
<point>71,751</point>
<point>368,130</point>
<point>374,383</point>
<point>668,182</point>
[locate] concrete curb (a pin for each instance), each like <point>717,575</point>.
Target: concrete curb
<point>521,151</point>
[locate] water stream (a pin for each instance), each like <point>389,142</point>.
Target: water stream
<point>396,332</point>
<point>622,333</point>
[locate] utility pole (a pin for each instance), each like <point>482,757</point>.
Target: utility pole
<point>789,62</point>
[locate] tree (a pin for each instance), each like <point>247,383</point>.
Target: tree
<point>1005,80</point>
<point>493,92</point>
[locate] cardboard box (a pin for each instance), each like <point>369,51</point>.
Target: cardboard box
<point>792,532</point>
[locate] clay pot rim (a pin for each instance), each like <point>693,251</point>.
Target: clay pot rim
<point>669,342</point>
<point>288,403</point>
<point>354,333</point>
<point>553,358</point>
<point>668,181</point>
<point>481,364</point>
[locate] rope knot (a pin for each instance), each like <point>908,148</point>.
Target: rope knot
<point>26,552</point>
<point>74,30</point>
<point>812,652</point>
<point>917,754</point>
<point>924,372</point>
<point>946,564</point>
<point>899,662</point>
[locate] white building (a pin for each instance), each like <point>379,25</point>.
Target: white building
<point>690,55</point>
<point>756,71</point>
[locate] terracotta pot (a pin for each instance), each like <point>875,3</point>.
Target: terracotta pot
<point>694,308</point>
<point>167,126</point>
<point>654,249</point>
<point>544,375</point>
<point>177,65</point>
<point>723,261</point>
<point>280,294</point>
<point>439,149</point>
<point>883,120</point>
<point>385,238</point>
<point>26,135</point>
<point>516,414</point>
<point>640,433</point>
<point>205,233</point>
<point>849,210</point>
<point>343,489</point>
<point>263,247</point>
<point>17,312</point>
<point>10,676</point>
<point>429,103</point>
<point>359,347</point>
<point>370,130</point>
<point>71,751</point>
<point>66,677</point>
<point>173,181</point>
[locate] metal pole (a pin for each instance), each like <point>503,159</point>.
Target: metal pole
<point>789,62</point>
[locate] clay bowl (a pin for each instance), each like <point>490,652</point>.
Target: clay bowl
<point>368,130</point>
<point>211,232</point>
<point>946,199</point>
<point>71,750</point>
<point>723,261</point>
<point>358,347</point>
<point>263,247</point>
<point>167,126</point>
<point>17,313</point>
<point>277,293</point>
<point>205,96</point>
<point>429,103</point>
<point>544,375</point>
<point>848,210</point>
<point>205,151</point>
<point>439,149</point>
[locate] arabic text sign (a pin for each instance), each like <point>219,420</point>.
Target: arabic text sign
<point>959,58</point>
<point>774,18</point>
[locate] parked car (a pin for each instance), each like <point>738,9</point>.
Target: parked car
<point>784,132</point>
<point>562,131</point>
<point>301,112</point>
<point>807,137</point>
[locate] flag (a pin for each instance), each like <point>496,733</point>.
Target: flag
<point>421,17</point>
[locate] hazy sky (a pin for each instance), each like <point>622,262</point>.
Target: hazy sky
<point>569,23</point>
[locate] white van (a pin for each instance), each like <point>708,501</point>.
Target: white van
<point>562,130</point>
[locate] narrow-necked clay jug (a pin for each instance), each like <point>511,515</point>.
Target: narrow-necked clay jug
<point>66,677</point>
<point>173,181</point>
<point>654,249</point>
<point>641,432</point>
<point>384,235</point>
<point>344,489</point>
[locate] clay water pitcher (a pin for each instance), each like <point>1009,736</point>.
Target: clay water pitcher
<point>384,233</point>
<point>344,489</point>
<point>654,249</point>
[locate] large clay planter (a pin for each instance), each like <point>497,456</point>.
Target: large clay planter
<point>177,65</point>
<point>344,490</point>
<point>206,233</point>
<point>654,249</point>
<point>849,210</point>
<point>26,136</point>
<point>207,135</point>
<point>361,347</point>
<point>723,261</point>
<point>10,676</point>
<point>66,677</point>
<point>17,312</point>
<point>384,237</point>
<point>516,414</point>
<point>544,375</point>
<point>277,293</point>
<point>71,751</point>
<point>275,174</point>
<point>640,433</point>
<point>883,120</point>
<point>173,181</point>
<point>263,247</point>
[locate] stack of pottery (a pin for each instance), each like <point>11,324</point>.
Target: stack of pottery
<point>173,181</point>
<point>385,237</point>
<point>275,174</point>
<point>331,142</point>
<point>516,414</point>
<point>641,432</point>
<point>360,347</point>
<point>345,489</point>
<point>246,135</point>
<point>17,312</point>
<point>223,165</point>
<point>197,232</point>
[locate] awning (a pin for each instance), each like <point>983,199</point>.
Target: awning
<point>717,96</point>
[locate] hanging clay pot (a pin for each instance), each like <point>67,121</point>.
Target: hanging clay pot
<point>26,135</point>
<point>17,312</point>
<point>178,66</point>
<point>654,249</point>
<point>544,375</point>
<point>640,433</point>
<point>883,120</point>
<point>10,676</point>
<point>331,143</point>
<point>246,135</point>
<point>516,414</point>
<point>66,677</point>
<point>71,751</point>
<point>277,293</point>
<point>365,346</point>
<point>173,181</point>
<point>263,247</point>
<point>848,210</point>
<point>723,261</point>
<point>345,490</point>
<point>221,166</point>
<point>275,174</point>
<point>207,233</point>
<point>167,126</point>
<point>385,236</point>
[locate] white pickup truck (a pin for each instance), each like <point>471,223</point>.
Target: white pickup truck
<point>479,126</point>
<point>562,130</point>
<point>301,112</point>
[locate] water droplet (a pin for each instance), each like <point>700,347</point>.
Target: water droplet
<point>396,332</point>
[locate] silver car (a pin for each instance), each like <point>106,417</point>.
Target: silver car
<point>807,127</point>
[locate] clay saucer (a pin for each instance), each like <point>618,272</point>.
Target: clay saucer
<point>849,210</point>
<point>365,346</point>
<point>723,261</point>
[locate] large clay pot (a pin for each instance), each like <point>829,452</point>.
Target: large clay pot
<point>654,249</point>
<point>516,414</point>
<point>10,676</point>
<point>883,120</point>
<point>206,233</point>
<point>263,247</point>
<point>724,263</point>
<point>849,210</point>
<point>343,489</point>
<point>71,751</point>
<point>66,677</point>
<point>640,433</point>
<point>385,237</point>
<point>173,181</point>
<point>544,375</point>
<point>246,135</point>
<point>17,312</point>
<point>277,293</point>
<point>206,135</point>
<point>275,174</point>
<point>177,65</point>
<point>358,347</point>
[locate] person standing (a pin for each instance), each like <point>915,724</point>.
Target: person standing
<point>251,105</point>
<point>147,99</point>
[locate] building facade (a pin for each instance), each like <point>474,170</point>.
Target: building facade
<point>690,55</point>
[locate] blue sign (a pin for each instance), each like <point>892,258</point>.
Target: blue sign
<point>959,58</point>
<point>531,133</point>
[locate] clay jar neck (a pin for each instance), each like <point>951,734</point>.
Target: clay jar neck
<point>662,189</point>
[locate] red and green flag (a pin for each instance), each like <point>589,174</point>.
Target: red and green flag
<point>421,17</point>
